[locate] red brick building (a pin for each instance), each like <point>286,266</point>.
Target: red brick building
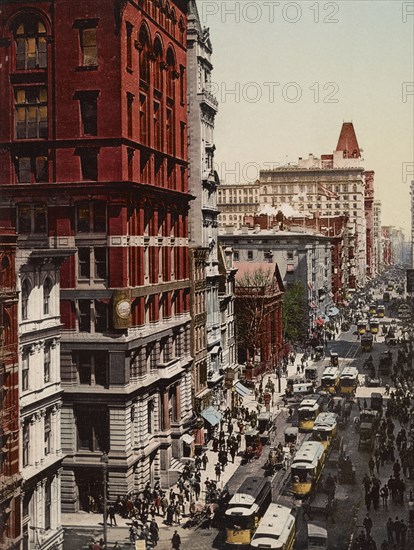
<point>259,315</point>
<point>10,479</point>
<point>93,150</point>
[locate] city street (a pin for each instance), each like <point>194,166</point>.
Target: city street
<point>349,510</point>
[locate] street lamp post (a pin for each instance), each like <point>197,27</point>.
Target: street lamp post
<point>104,460</point>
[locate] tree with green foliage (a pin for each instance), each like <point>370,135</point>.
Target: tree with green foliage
<point>295,314</point>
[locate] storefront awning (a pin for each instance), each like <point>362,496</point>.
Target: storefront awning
<point>212,416</point>
<point>241,389</point>
<point>215,350</point>
<point>187,438</point>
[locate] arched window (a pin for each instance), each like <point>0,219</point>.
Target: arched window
<point>173,22</point>
<point>47,289</point>
<point>181,28</point>
<point>144,45</point>
<point>158,65</point>
<point>170,73</point>
<point>26,289</point>
<point>167,18</point>
<point>30,38</point>
<point>5,274</point>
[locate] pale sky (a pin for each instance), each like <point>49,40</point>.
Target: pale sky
<point>298,70</point>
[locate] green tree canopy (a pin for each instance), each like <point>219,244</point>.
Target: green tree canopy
<point>294,313</point>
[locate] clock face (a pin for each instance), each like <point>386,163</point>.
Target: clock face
<point>123,309</point>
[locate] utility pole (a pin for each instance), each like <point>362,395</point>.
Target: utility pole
<point>104,460</point>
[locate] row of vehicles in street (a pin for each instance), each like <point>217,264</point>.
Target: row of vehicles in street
<point>253,521</point>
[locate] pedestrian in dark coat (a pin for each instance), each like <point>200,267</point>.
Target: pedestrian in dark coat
<point>390,530</point>
<point>176,541</point>
<point>367,523</point>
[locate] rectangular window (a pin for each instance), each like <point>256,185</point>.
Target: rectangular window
<point>83,218</point>
<point>84,318</point>
<point>92,368</point>
<point>250,254</point>
<point>30,112</point>
<point>25,371</point>
<point>84,263</point>
<point>101,316</point>
<point>182,84</point>
<point>143,119</point>
<point>93,428</point>
<point>130,101</point>
<point>129,29</point>
<point>157,126</point>
<point>26,444</point>
<point>100,263</point>
<point>170,132</point>
<point>48,433</point>
<point>46,364</point>
<point>99,217</point>
<point>84,368</point>
<point>182,139</point>
<point>130,154</point>
<point>89,114</point>
<point>24,170</point>
<point>89,47</point>
<point>48,503</point>
<point>89,164</point>
<point>39,218</point>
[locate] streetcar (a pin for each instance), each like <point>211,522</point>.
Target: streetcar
<point>330,379</point>
<point>306,467</point>
<point>245,510</point>
<point>373,309</point>
<point>374,325</point>
<point>348,380</point>
<point>276,530</point>
<point>334,360</point>
<point>325,428</point>
<point>367,341</point>
<point>308,410</point>
<point>362,327</point>
<point>381,311</point>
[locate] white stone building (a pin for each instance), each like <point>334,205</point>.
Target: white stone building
<point>40,395</point>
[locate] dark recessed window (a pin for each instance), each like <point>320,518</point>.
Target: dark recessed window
<point>89,165</point>
<point>89,114</point>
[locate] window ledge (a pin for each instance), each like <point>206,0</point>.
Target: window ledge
<point>87,68</point>
<point>129,70</point>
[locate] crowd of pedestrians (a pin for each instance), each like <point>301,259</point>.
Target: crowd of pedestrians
<point>394,447</point>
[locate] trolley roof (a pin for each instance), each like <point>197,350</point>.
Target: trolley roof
<point>325,421</point>
<point>330,372</point>
<point>308,455</point>
<point>349,372</point>
<point>274,528</point>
